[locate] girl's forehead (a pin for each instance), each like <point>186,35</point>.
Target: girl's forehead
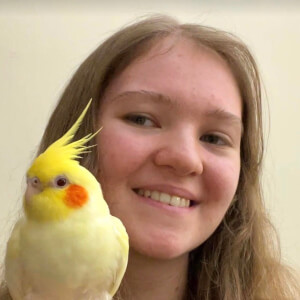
<point>180,45</point>
<point>170,61</point>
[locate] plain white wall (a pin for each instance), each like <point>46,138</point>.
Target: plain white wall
<point>41,45</point>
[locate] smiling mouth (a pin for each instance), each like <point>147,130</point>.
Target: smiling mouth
<point>165,198</point>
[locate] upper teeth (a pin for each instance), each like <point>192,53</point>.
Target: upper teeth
<point>165,198</point>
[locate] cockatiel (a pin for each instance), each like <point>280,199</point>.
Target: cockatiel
<point>67,246</point>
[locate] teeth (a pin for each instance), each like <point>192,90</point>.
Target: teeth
<point>183,202</point>
<point>175,201</point>
<point>165,198</point>
<point>155,195</point>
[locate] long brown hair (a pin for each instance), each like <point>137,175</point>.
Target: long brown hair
<point>241,260</point>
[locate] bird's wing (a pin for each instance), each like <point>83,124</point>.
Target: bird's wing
<point>122,238</point>
<point>13,267</point>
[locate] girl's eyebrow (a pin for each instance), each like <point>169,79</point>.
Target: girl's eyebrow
<point>222,114</point>
<point>157,97</point>
<point>217,113</point>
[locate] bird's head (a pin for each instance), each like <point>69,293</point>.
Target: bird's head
<point>58,186</point>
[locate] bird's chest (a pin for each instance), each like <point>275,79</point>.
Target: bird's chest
<point>68,254</point>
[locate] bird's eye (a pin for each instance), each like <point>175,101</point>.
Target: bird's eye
<point>34,181</point>
<point>61,181</point>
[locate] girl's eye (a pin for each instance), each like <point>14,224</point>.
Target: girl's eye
<point>213,139</point>
<point>140,120</point>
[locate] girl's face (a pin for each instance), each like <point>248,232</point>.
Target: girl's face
<point>171,132</point>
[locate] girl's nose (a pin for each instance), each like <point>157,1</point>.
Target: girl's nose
<point>182,155</point>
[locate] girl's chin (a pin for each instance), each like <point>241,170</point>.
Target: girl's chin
<point>159,254</point>
<point>161,249</point>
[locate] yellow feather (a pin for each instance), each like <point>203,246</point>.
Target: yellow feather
<point>48,206</point>
<point>67,150</point>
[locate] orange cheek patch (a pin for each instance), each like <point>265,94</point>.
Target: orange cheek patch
<point>76,196</point>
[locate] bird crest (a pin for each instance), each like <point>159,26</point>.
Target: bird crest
<point>68,150</point>
<point>63,149</point>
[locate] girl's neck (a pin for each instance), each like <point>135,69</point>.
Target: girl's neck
<point>147,278</point>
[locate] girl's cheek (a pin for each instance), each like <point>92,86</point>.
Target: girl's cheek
<point>222,174</point>
<point>121,150</point>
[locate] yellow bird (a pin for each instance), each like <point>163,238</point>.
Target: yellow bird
<point>67,246</point>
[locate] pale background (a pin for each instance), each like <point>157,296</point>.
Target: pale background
<point>42,44</point>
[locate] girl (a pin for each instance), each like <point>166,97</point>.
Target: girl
<point>179,160</point>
